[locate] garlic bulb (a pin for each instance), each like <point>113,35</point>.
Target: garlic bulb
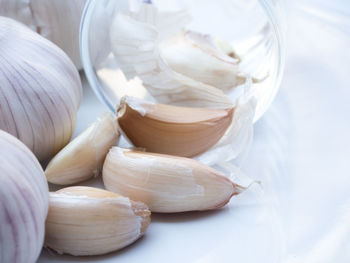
<point>57,20</point>
<point>177,67</point>
<point>23,202</point>
<point>167,184</point>
<point>83,157</point>
<point>19,10</point>
<point>40,90</point>
<point>85,221</point>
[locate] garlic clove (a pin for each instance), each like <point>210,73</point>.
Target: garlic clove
<point>135,38</point>
<point>198,56</point>
<point>85,221</point>
<point>167,184</point>
<point>83,157</point>
<point>170,129</point>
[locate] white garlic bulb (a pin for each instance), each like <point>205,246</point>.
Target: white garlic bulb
<point>40,90</point>
<point>23,202</point>
<point>57,20</point>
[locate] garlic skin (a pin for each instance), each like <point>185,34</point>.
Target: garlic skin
<point>86,221</point>
<point>40,90</point>
<point>135,39</point>
<point>167,184</point>
<point>238,137</point>
<point>176,66</point>
<point>56,20</point>
<point>83,157</point>
<point>181,131</point>
<point>23,202</point>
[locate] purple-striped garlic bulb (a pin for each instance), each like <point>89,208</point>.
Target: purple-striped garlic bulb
<point>56,20</point>
<point>40,90</point>
<point>23,202</point>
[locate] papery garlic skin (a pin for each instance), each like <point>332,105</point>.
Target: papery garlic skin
<point>83,157</point>
<point>135,39</point>
<point>56,20</point>
<point>40,90</point>
<point>23,202</point>
<point>238,137</point>
<point>85,221</point>
<point>167,184</point>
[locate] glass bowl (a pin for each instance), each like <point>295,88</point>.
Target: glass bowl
<point>253,27</point>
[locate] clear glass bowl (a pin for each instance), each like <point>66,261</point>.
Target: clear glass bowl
<point>253,27</point>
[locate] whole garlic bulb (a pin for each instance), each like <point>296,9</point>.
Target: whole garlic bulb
<point>40,90</point>
<point>57,20</point>
<point>23,202</point>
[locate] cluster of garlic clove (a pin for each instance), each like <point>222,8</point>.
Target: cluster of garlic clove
<point>39,97</point>
<point>56,20</point>
<point>184,68</point>
<point>40,90</point>
<point>165,183</point>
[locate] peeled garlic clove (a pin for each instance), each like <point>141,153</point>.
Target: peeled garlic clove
<point>83,157</point>
<point>40,90</point>
<point>24,202</point>
<point>167,184</point>
<point>170,129</point>
<point>135,38</point>
<point>197,56</point>
<point>85,221</point>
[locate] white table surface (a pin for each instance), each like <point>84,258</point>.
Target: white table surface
<point>301,153</point>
